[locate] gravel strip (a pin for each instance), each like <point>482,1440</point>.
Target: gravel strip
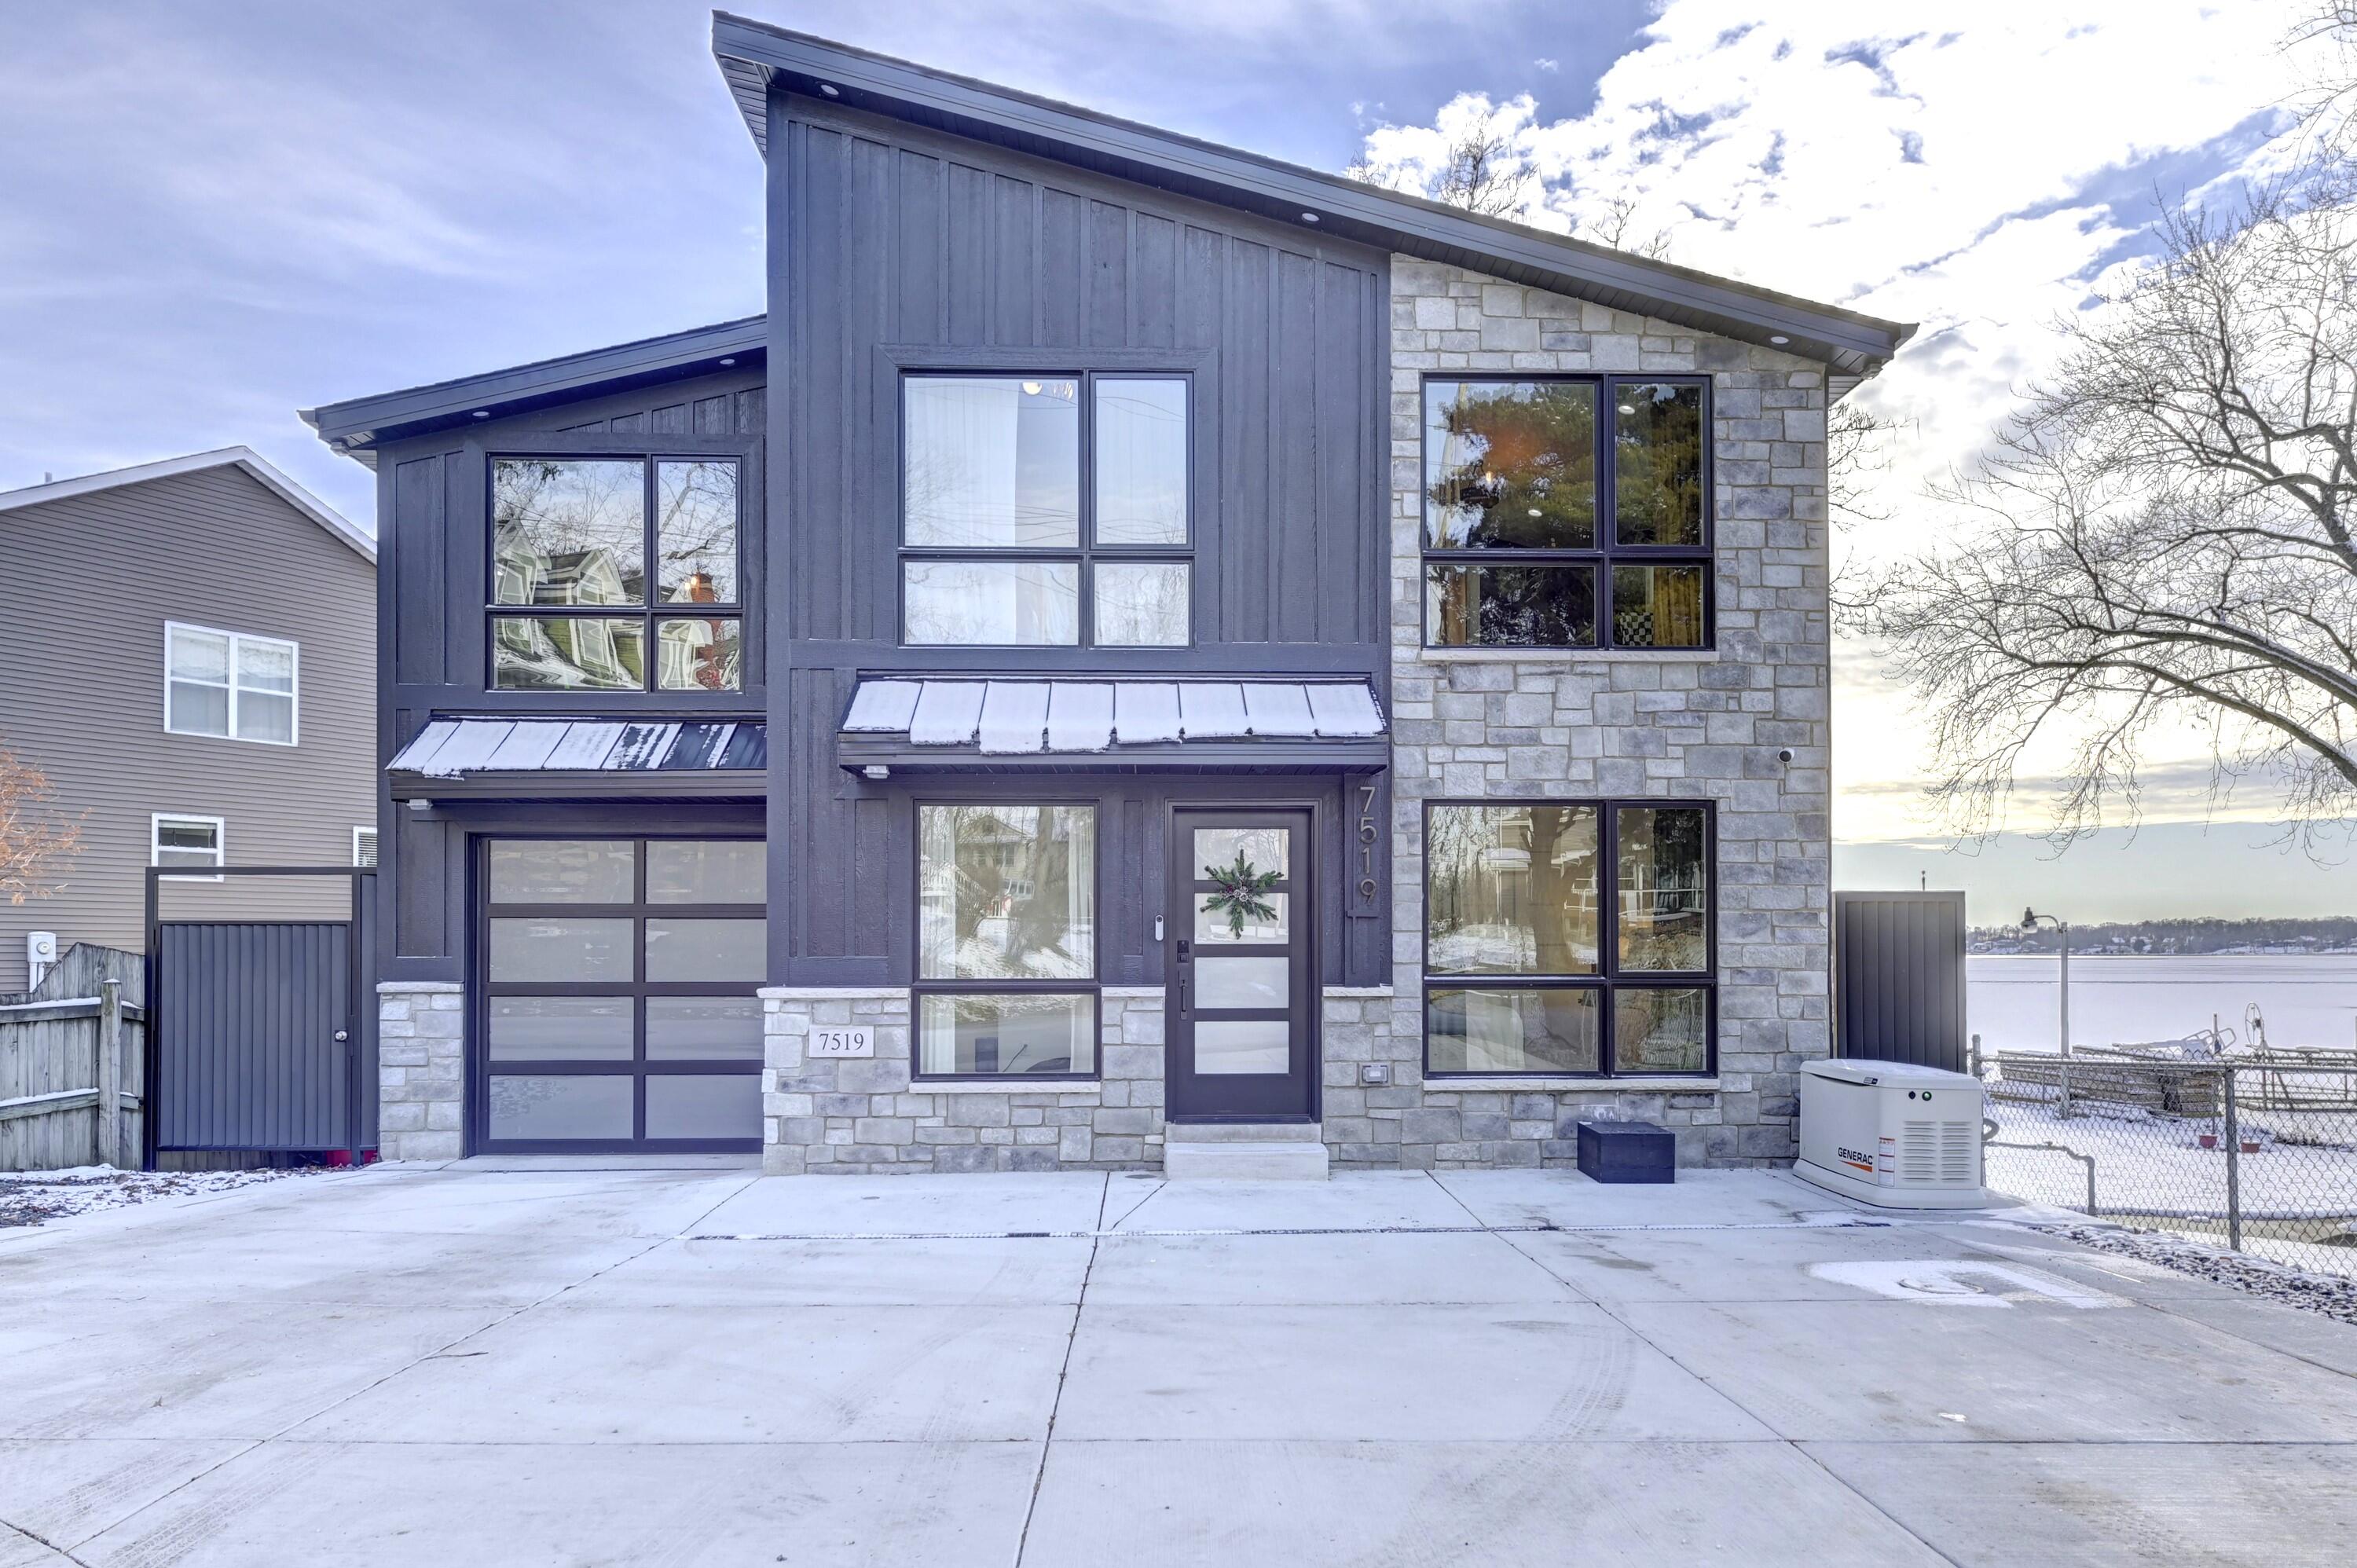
<point>2328,1294</point>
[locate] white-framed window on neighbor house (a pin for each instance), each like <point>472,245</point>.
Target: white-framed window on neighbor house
<point>228,684</point>
<point>363,846</point>
<point>186,845</point>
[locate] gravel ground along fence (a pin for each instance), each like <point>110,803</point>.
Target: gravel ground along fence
<point>2255,1153</point>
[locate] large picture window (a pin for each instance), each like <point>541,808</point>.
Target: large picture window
<point>1568,937</point>
<point>629,567</point>
<point>1007,941</point>
<point>620,980</point>
<point>1045,512</point>
<point>1567,513</point>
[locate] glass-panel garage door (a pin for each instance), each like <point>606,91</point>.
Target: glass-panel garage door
<point>618,1006</point>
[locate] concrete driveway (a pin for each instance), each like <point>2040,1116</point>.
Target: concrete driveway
<point>472,1366</point>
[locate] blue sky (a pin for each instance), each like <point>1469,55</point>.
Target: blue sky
<point>217,213</point>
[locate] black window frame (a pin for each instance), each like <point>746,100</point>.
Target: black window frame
<point>1087,552</point>
<point>920,986</point>
<point>649,614</point>
<point>1607,980</point>
<point>1608,551</point>
<point>638,1067</point>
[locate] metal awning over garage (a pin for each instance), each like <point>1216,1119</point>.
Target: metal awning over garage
<point>589,756</point>
<point>1291,725</point>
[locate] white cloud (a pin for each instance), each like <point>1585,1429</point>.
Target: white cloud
<point>1972,166</point>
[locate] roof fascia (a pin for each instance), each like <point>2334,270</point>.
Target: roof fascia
<point>260,468</point>
<point>357,424</point>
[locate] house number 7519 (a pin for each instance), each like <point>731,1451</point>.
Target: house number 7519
<point>1366,841</point>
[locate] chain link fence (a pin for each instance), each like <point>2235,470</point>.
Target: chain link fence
<point>2253,1151</point>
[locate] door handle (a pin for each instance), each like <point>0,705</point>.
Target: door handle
<point>1184,1011</point>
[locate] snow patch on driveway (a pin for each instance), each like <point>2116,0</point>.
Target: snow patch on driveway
<point>33,1198</point>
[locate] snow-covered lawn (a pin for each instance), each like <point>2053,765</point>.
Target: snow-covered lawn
<point>2297,1188</point>
<point>29,1197</point>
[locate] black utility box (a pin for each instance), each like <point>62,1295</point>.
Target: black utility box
<point>1627,1151</point>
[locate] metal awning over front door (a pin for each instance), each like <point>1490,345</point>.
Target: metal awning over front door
<point>1287,725</point>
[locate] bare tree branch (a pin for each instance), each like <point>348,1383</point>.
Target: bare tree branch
<point>37,843</point>
<point>1483,173</point>
<point>2168,537</point>
<point>1617,227</point>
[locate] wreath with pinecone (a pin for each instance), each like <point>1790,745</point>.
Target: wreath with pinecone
<point>1243,893</point>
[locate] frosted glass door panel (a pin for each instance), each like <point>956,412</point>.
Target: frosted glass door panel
<point>1243,982</point>
<point>1240,1047</point>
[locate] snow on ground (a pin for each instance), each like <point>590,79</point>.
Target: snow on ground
<point>2297,1188</point>
<point>2333,1295</point>
<point>2305,1163</point>
<point>30,1197</point>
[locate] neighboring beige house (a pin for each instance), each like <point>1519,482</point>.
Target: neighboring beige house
<point>189,655</point>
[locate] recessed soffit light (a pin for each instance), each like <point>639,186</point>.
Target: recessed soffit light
<point>482,414</point>
<point>731,361</point>
<point>1309,217</point>
<point>1778,338</point>
<point>829,90</point>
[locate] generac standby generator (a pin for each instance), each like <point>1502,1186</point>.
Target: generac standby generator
<point>1892,1134</point>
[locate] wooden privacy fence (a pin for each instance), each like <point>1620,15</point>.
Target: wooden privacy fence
<point>71,1076</point>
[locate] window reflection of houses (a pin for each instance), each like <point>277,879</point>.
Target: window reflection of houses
<point>566,652</point>
<point>1520,874</point>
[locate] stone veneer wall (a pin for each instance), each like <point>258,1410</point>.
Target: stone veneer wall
<point>865,1116</point>
<point>421,1070</point>
<point>1475,724</point>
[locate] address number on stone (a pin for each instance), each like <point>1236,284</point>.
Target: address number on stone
<point>859,1042</point>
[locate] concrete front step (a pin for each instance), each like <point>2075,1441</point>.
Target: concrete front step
<point>1243,1150</point>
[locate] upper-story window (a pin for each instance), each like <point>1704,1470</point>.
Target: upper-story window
<point>629,566</point>
<point>1045,511</point>
<point>1567,513</point>
<point>228,684</point>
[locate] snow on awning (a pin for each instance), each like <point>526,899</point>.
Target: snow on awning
<point>455,748</point>
<point>1282,723</point>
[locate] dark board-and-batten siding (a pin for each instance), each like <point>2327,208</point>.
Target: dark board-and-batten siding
<point>436,491</point>
<point>895,249</point>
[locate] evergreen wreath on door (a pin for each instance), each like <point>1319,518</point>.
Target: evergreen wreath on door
<point>1242,895</point>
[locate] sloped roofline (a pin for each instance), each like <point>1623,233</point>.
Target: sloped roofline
<point>755,56</point>
<point>263,471</point>
<point>356,425</point>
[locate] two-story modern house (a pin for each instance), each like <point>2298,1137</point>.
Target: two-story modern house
<point>189,658</point>
<point>1142,651</point>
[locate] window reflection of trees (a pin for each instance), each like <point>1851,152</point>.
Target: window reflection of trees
<point>1515,554</point>
<point>1516,978</point>
<point>1515,890</point>
<point>1008,893</point>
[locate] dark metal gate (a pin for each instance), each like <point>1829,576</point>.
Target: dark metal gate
<point>261,1038</point>
<point>1899,977</point>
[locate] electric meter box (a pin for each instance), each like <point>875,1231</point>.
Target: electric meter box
<point>1892,1134</point>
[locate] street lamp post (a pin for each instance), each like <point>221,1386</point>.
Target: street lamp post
<point>2030,920</point>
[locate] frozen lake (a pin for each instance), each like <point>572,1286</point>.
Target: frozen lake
<point>2130,1000</point>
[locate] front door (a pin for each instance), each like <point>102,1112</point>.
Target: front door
<point>1241,1009</point>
